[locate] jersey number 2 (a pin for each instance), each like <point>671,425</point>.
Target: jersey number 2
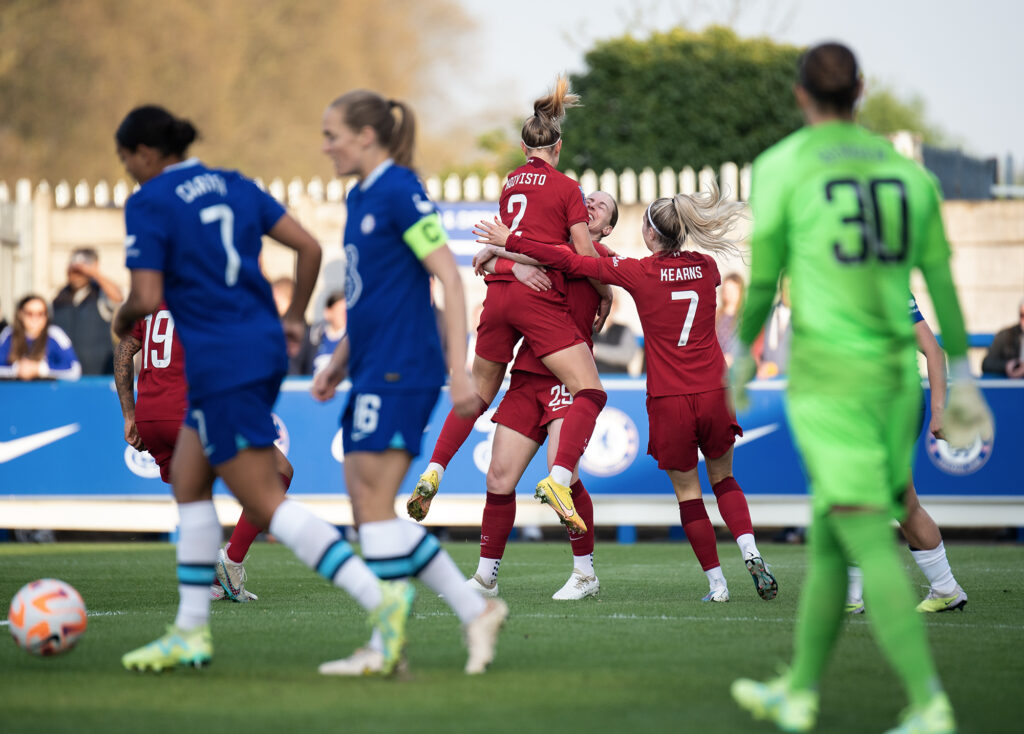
<point>222,213</point>
<point>691,311</point>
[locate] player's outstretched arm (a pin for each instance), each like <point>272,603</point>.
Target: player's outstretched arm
<point>441,264</point>
<point>124,381</point>
<point>935,364</point>
<point>967,415</point>
<point>326,380</point>
<point>292,235</point>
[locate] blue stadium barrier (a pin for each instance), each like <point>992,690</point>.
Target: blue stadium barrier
<point>62,456</point>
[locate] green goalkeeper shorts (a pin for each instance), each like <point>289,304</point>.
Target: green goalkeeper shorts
<point>857,450</point>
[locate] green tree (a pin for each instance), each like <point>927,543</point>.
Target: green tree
<point>681,99</point>
<point>253,76</point>
<point>884,112</point>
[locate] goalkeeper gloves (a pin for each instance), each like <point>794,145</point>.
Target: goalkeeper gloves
<point>741,372</point>
<point>967,416</point>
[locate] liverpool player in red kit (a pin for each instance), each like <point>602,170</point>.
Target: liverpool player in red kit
<point>548,207</point>
<point>674,291</point>
<point>151,423</point>
<point>531,411</point>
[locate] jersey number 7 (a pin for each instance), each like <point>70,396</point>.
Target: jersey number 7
<point>222,213</point>
<point>691,311</point>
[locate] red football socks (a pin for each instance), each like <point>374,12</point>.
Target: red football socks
<point>582,545</point>
<point>496,524</point>
<point>733,505</point>
<point>699,532</point>
<point>578,425</point>
<point>245,532</point>
<point>454,433</point>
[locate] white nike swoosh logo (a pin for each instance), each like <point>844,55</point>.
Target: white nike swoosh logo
<point>16,447</point>
<point>749,436</point>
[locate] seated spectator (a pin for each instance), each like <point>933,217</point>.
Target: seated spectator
<point>730,304</point>
<point>300,363</point>
<point>34,349</point>
<point>84,308</point>
<point>1005,357</point>
<point>615,346</point>
<point>329,332</point>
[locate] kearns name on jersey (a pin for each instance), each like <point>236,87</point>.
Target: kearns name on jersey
<point>684,273</point>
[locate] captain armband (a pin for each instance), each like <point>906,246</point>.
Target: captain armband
<point>426,235</point>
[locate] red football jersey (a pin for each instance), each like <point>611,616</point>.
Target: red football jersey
<point>583,301</point>
<point>541,204</point>
<point>675,299</point>
<point>162,385</point>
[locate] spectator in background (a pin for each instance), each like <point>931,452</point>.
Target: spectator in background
<point>83,309</point>
<point>776,337</point>
<point>32,348</point>
<point>327,333</point>
<point>300,363</point>
<point>615,346</point>
<point>730,303</point>
<point>1005,356</point>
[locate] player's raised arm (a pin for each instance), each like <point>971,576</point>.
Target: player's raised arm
<point>294,236</point>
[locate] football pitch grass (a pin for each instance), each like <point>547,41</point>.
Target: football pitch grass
<point>644,656</point>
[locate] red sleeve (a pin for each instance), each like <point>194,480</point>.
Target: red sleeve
<point>503,266</point>
<point>576,209</point>
<point>602,250</point>
<point>616,270</point>
<point>137,330</point>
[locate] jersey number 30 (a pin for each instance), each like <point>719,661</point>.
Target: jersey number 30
<point>880,218</point>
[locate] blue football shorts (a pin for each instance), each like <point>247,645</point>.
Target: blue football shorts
<point>235,420</point>
<point>380,419</point>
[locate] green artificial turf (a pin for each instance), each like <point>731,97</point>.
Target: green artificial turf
<point>644,656</point>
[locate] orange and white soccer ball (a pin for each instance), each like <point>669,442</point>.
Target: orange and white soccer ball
<point>47,617</point>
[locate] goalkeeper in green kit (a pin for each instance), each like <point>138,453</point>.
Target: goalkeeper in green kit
<point>847,218</point>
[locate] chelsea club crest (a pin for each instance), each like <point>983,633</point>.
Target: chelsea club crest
<point>959,462</point>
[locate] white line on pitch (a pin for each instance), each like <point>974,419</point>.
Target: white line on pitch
<point>4,623</point>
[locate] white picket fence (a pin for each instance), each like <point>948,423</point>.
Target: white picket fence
<point>628,187</point>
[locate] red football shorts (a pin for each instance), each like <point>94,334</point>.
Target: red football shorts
<point>530,403</point>
<point>160,437</point>
<point>511,311</point>
<point>680,424</point>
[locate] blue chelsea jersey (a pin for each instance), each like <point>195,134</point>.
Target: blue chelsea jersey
<point>392,328</point>
<point>915,312</point>
<point>203,227</point>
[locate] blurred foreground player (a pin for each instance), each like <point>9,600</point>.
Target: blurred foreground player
<point>152,422</point>
<point>194,236</point>
<point>848,218</point>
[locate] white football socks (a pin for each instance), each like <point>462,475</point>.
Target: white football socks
<point>487,569</point>
<point>199,536</point>
<point>584,564</point>
<point>935,567</point>
<point>855,585</point>
<point>309,537</point>
<point>747,546</point>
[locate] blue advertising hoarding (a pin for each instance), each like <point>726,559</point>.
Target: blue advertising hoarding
<point>66,440</point>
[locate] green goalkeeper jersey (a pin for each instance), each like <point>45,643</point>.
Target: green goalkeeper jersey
<point>846,217</point>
